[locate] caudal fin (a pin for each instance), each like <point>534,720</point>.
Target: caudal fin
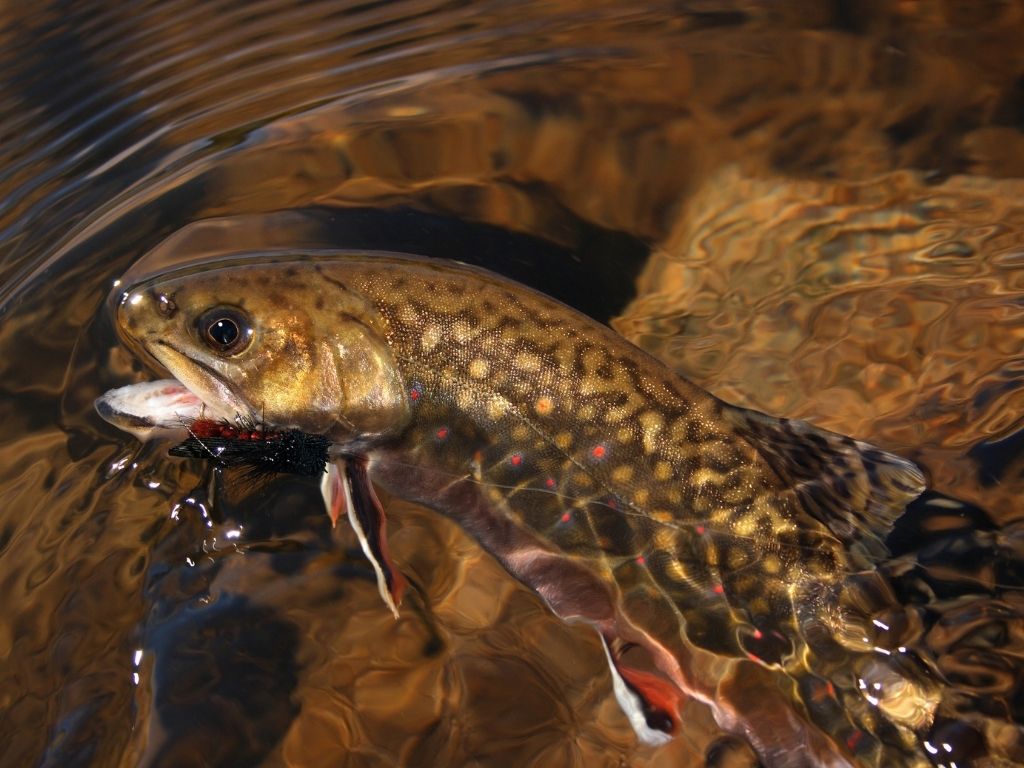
<point>854,488</point>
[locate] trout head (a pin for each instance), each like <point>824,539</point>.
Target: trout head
<point>276,343</point>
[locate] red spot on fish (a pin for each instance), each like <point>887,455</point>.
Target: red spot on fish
<point>854,739</point>
<point>753,657</point>
<point>442,433</point>
<point>566,517</point>
<point>415,392</point>
<point>550,482</point>
<point>598,452</point>
<point>700,530</point>
<point>641,560</point>
<point>719,589</point>
<point>516,459</point>
<point>758,634</point>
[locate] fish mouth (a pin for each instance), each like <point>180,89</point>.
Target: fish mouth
<point>164,408</point>
<point>151,409</point>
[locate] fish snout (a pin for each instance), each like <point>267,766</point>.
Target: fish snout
<point>145,312</point>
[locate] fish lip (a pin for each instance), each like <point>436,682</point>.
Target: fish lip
<point>113,416</point>
<point>144,409</point>
<point>237,403</point>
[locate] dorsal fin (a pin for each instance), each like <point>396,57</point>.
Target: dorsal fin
<point>854,488</point>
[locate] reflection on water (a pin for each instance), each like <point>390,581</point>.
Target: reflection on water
<point>829,195</point>
<point>889,309</point>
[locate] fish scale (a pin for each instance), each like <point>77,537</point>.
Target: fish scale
<point>589,420</point>
<point>710,547</point>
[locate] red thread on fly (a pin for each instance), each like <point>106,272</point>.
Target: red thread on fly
<point>248,445</point>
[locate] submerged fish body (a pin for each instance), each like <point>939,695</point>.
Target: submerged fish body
<point>711,547</point>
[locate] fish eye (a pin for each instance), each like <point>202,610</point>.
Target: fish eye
<point>225,330</point>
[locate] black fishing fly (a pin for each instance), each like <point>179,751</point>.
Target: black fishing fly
<point>249,446</point>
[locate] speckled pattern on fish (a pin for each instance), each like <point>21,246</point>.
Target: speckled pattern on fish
<point>705,543</point>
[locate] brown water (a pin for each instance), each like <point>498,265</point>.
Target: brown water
<point>812,208</point>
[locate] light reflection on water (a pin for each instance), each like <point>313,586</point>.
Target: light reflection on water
<point>813,210</point>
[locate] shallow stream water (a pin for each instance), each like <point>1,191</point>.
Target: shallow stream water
<point>811,208</point>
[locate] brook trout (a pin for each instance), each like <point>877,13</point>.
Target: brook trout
<point>720,553</point>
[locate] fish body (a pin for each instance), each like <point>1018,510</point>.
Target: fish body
<point>711,547</point>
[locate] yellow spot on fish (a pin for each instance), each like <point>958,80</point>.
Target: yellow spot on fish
<point>662,471</point>
<point>462,331</point>
<point>593,358</point>
<point>722,516</point>
<point>705,476</point>
<point>529,362</point>
<point>624,435</point>
<point>623,473</point>
<point>673,496</point>
<point>640,496</point>
<point>652,424</point>
<point>564,440</point>
<point>478,368</point>
<point>582,479</point>
<point>496,408</point>
<point>520,432</point>
<point>430,337</point>
<point>737,495</point>
<point>664,538</point>
<point>746,525</point>
<point>408,315</point>
<point>543,405</point>
<point>466,399</point>
<point>662,516</point>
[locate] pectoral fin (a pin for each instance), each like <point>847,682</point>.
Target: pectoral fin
<point>346,487</point>
<point>650,702</point>
<point>332,489</point>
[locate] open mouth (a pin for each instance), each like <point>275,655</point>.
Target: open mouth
<point>151,408</point>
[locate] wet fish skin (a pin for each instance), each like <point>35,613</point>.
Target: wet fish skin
<point>708,537</point>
